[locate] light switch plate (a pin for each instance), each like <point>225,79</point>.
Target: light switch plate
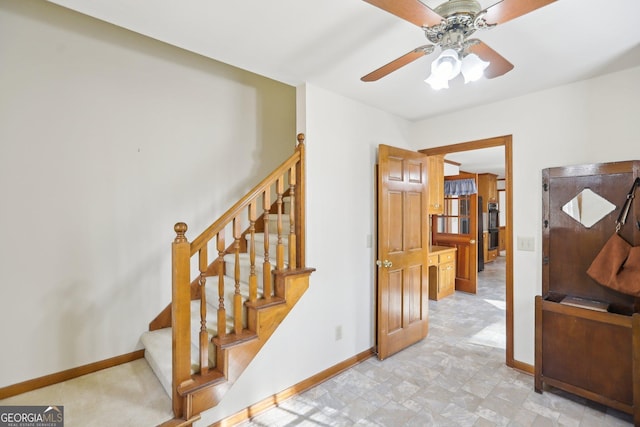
<point>526,244</point>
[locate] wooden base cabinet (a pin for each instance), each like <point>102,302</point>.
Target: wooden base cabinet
<point>589,353</point>
<point>490,255</point>
<point>587,336</point>
<point>442,272</point>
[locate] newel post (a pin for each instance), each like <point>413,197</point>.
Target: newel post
<point>180,313</point>
<point>300,203</point>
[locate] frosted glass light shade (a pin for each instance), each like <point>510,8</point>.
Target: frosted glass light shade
<point>436,82</point>
<point>473,67</point>
<point>447,65</point>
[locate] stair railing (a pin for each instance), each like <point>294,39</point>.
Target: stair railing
<point>286,180</point>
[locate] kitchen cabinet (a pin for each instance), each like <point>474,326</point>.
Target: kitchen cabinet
<point>442,271</point>
<point>502,240</point>
<point>489,254</point>
<point>488,189</point>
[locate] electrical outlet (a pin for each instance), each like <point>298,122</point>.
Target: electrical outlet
<point>526,244</point>
<point>338,332</point>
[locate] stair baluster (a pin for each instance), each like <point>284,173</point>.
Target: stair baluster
<point>280,245</point>
<point>222,312</point>
<point>237,297</point>
<point>204,335</point>
<point>292,217</point>
<point>266,269</point>
<point>253,279</point>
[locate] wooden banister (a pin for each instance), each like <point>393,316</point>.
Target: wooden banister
<point>180,313</point>
<point>299,206</point>
<point>259,189</point>
<point>287,180</point>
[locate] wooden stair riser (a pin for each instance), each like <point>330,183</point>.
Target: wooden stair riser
<point>290,288</point>
<point>206,398</point>
<point>176,422</point>
<point>232,360</point>
<point>233,352</point>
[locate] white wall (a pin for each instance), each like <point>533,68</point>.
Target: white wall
<point>586,122</point>
<point>342,140</point>
<point>108,138</point>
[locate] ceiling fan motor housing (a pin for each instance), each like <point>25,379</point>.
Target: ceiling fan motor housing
<point>449,26</point>
<point>457,24</point>
<point>453,7</point>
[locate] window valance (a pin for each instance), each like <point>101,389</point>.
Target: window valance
<point>460,187</point>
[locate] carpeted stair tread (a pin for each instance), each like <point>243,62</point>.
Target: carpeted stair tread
<point>158,343</point>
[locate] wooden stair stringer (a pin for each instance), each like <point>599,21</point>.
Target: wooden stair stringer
<point>263,318</point>
<point>179,422</point>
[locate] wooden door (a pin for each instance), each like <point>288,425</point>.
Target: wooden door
<point>402,279</point>
<point>458,227</point>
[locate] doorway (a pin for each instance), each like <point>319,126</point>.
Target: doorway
<point>506,143</point>
<point>457,227</point>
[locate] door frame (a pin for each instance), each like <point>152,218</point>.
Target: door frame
<point>506,142</point>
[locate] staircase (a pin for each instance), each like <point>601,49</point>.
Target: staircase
<point>224,309</point>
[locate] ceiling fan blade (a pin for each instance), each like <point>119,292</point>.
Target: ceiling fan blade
<point>413,11</point>
<point>506,10</point>
<point>498,65</point>
<point>397,63</point>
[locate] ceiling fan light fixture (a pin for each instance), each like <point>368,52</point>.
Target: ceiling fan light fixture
<point>437,83</point>
<point>447,65</point>
<point>473,67</point>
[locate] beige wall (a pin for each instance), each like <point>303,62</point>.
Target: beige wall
<point>108,138</point>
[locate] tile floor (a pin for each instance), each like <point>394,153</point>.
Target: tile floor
<point>455,377</point>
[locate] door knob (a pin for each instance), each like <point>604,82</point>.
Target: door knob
<point>472,242</point>
<point>385,263</point>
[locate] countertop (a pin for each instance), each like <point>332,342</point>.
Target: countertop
<point>436,249</point>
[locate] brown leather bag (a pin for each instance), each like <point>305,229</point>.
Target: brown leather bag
<point>617,265</point>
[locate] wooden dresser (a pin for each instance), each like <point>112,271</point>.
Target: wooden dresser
<point>442,271</point>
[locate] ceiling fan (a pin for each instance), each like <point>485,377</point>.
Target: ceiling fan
<point>449,27</point>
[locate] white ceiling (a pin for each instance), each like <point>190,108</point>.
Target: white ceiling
<point>484,160</point>
<point>332,43</point>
